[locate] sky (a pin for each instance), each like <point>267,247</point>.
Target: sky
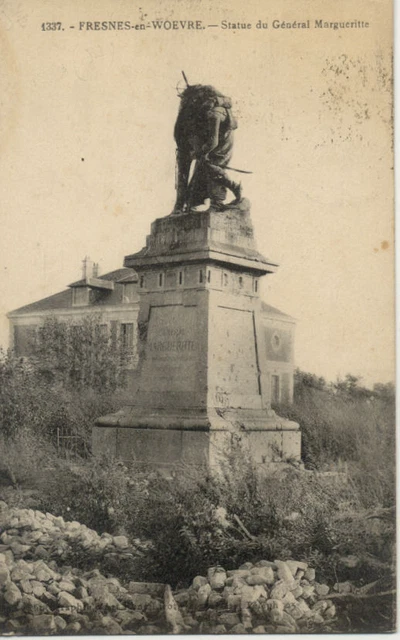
<point>87,156</point>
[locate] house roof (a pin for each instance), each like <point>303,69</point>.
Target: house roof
<point>114,276</point>
<point>273,311</point>
<point>63,299</point>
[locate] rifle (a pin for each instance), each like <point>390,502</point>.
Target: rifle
<point>185,79</point>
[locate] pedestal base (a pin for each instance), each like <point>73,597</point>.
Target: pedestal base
<point>166,449</point>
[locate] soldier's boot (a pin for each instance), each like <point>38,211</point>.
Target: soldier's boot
<point>179,205</point>
<point>236,188</point>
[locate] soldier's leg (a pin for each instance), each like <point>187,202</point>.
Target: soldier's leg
<point>219,177</point>
<point>183,162</point>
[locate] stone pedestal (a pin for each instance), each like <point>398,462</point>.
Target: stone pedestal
<point>201,372</point>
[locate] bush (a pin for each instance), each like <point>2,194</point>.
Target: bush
<point>41,405</point>
<point>79,357</point>
<point>99,493</point>
<point>344,426</point>
<point>24,457</point>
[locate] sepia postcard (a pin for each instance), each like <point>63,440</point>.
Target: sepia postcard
<point>197,327</point>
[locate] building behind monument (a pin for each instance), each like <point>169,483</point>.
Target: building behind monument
<point>114,298</point>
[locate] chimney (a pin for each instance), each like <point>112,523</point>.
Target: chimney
<point>95,270</point>
<point>86,262</point>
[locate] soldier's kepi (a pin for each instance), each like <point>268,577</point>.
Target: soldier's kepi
<point>204,138</point>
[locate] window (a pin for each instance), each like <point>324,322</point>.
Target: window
<point>225,279</point>
<point>256,285</point>
<point>24,340</point>
<point>80,296</point>
<point>160,279</point>
<point>240,282</point>
<point>127,338</point>
<point>209,276</point>
<point>180,277</point>
<point>201,275</point>
<point>141,282</point>
<point>276,342</point>
<point>275,389</point>
<point>128,294</point>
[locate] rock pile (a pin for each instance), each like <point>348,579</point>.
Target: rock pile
<point>33,535</point>
<point>40,594</point>
<point>266,597</point>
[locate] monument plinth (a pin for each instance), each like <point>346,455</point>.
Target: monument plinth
<point>202,356</point>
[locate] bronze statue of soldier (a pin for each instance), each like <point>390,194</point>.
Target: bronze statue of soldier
<point>204,133</point>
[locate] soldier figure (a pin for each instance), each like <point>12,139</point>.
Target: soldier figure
<point>204,133</point>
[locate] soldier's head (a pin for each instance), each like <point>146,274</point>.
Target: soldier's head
<point>200,96</point>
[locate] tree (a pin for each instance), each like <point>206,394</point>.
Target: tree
<point>79,356</point>
<point>351,387</point>
<point>386,391</point>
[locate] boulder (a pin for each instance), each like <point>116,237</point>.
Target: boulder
<point>265,572</point>
<point>73,627</point>
<point>274,604</point>
<point>238,573</point>
<point>12,594</point>
<point>202,594</point>
<point>129,619</point>
<point>309,574</point>
<point>33,605</point>
<point>321,589</point>
<point>256,579</point>
<point>251,594</point>
<point>43,623</point>
<point>26,586</point>
<point>284,573</point>
<point>228,619</point>
<point>4,574</point>
<point>343,587</point>
<point>233,602</point>
<point>266,563</point>
<point>238,628</point>
<point>141,601</point>
<point>66,600</point>
<point>295,566</point>
<point>330,612</point>
<point>199,581</point>
<point>67,585</point>
<point>279,590</point>
<point>217,577</point>
<point>121,542</point>
<point>214,599</point>
<point>294,610</point>
<point>308,591</point>
<point>38,589</point>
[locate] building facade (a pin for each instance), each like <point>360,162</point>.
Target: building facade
<point>114,298</point>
